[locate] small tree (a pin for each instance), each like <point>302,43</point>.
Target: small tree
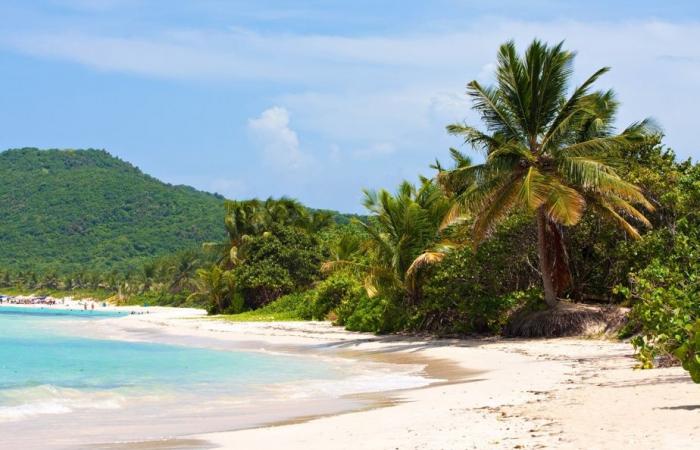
<point>215,286</point>
<point>402,235</point>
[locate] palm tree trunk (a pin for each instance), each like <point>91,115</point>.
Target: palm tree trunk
<point>558,259</point>
<point>546,266</point>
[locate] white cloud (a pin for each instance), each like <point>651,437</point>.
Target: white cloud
<point>280,144</point>
<point>362,90</point>
<point>447,107</point>
<point>228,187</point>
<point>375,150</point>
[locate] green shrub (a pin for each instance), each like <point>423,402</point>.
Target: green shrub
<point>474,291</point>
<point>666,311</point>
<point>346,308</point>
<point>284,260</point>
<point>295,306</point>
<point>261,282</point>
<point>330,293</point>
<point>376,315</point>
<point>688,353</point>
<point>237,304</point>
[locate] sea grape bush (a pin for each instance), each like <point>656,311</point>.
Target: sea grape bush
<point>474,290</point>
<point>666,296</point>
<point>688,353</point>
<point>281,261</point>
<point>329,294</point>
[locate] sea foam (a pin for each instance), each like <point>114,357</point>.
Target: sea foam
<point>17,404</point>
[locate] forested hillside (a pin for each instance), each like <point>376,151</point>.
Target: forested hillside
<point>69,210</point>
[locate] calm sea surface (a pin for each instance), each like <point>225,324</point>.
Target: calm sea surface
<point>101,389</point>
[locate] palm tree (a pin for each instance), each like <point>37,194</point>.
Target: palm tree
<point>242,220</point>
<point>248,218</point>
<point>318,220</point>
<point>458,179</point>
<point>148,274</point>
<point>181,269</point>
<point>547,153</point>
<point>343,249</point>
<point>403,235</point>
<point>216,286</point>
<point>284,211</point>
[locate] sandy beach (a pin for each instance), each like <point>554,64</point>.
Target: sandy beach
<point>484,393</point>
<point>492,393</point>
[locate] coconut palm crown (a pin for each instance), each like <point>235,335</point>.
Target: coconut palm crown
<point>547,150</point>
<point>403,237</point>
<point>245,219</point>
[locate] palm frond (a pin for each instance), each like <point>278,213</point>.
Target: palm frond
<point>625,207</point>
<point>564,205</point>
<point>436,254</point>
<point>511,150</point>
<point>496,204</point>
<point>594,174</point>
<point>635,134</point>
<point>459,158</point>
<point>607,210</point>
<point>338,264</point>
<point>457,213</point>
<point>512,85</point>
<point>550,72</point>
<point>422,260</point>
<point>568,112</point>
<point>475,198</point>
<point>486,102</point>
<point>472,136</point>
<point>533,189</point>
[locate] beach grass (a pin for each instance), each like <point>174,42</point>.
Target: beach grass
<point>288,308</point>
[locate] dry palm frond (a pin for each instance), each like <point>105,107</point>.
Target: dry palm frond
<point>429,257</point>
<point>564,204</point>
<point>567,319</point>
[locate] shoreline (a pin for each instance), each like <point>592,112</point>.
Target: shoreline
<point>561,393</point>
<point>367,381</point>
<point>503,393</point>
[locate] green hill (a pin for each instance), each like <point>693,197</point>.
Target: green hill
<point>67,210</point>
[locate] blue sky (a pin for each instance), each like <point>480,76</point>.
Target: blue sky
<point>311,99</point>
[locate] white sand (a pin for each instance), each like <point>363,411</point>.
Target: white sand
<point>560,393</point>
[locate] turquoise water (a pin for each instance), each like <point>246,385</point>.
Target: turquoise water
<point>50,312</point>
<point>61,388</point>
<point>44,370</point>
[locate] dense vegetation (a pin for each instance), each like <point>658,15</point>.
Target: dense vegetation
<point>67,211</point>
<point>83,219</point>
<point>564,219</point>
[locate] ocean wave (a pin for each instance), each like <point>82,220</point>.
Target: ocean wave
<point>22,403</point>
<point>365,382</point>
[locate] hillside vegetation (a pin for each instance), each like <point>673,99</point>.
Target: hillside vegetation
<point>69,210</point>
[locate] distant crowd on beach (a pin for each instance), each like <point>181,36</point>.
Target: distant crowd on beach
<point>22,300</point>
<point>46,301</point>
<point>65,303</point>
